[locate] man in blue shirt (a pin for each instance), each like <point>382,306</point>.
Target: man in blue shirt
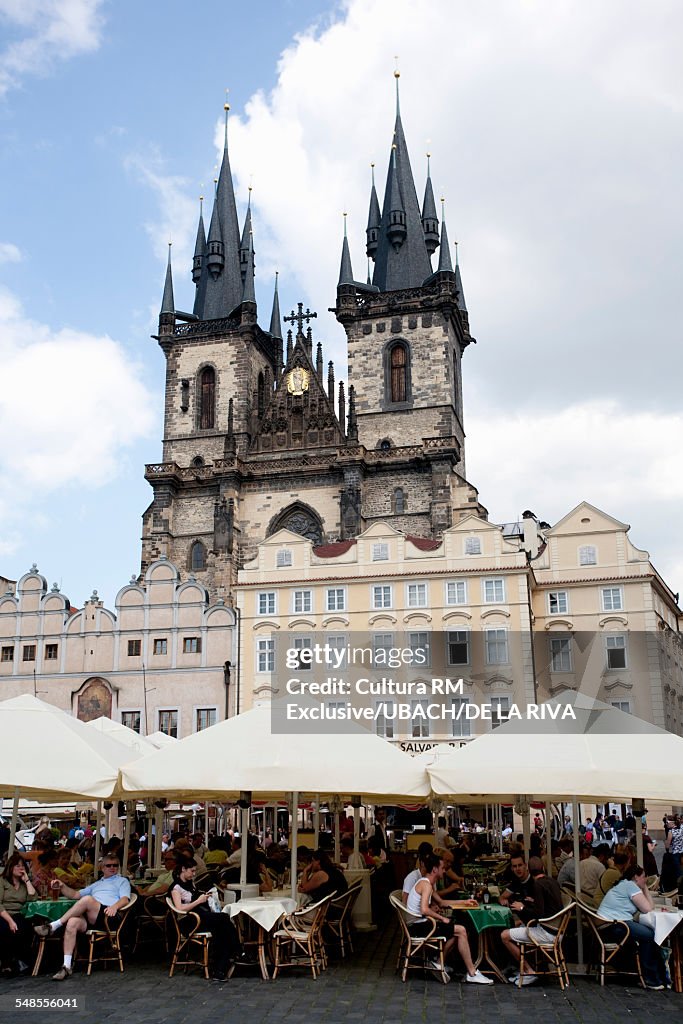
<point>97,902</point>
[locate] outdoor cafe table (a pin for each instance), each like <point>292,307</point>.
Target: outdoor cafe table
<point>51,909</point>
<point>266,911</point>
<point>484,918</point>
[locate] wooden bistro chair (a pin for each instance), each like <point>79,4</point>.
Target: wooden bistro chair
<point>104,944</point>
<point>417,952</point>
<point>298,940</point>
<point>338,922</point>
<point>189,940</point>
<point>151,923</point>
<point>610,950</point>
<point>549,954</point>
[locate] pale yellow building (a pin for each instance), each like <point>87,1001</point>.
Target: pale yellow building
<point>164,660</point>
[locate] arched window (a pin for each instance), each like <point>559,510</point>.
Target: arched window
<point>399,501</point>
<point>198,461</point>
<point>398,365</point>
<point>197,556</point>
<point>207,398</point>
<point>261,395</point>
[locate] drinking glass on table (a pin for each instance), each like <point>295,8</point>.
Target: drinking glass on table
<point>55,889</point>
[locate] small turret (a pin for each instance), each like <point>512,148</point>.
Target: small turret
<point>244,243</point>
<point>352,429</point>
<point>319,361</point>
<point>374,220</point>
<point>215,259</point>
<point>345,270</point>
<point>445,265</point>
<point>396,227</point>
<point>199,246</point>
<point>430,222</point>
<point>167,311</point>
<point>330,381</point>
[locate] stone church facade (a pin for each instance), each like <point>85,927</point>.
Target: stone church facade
<point>259,437</point>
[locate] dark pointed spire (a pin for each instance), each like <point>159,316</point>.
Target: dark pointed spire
<point>430,222</point>
<point>444,250</point>
<point>374,219</point>
<point>369,277</point>
<point>244,242</point>
<point>345,271</point>
<point>199,245</point>
<point>342,406</point>
<point>224,288</point>
<point>330,381</point>
<point>400,263</point>
<point>319,361</point>
<point>275,319</point>
<point>462,305</point>
<point>249,292</point>
<point>352,430</point>
<point>167,302</point>
<point>230,439</point>
<point>290,345</point>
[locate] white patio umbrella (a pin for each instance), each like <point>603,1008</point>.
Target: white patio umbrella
<point>161,739</point>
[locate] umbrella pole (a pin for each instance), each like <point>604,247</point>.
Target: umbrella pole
<point>98,826</point>
<point>13,824</point>
<point>356,830</point>
<point>126,841</point>
<point>548,841</point>
<point>337,847</point>
<point>639,831</point>
<point>316,822</point>
<point>206,822</point>
<point>244,833</point>
<point>526,830</point>
<point>577,879</point>
<point>500,828</point>
<point>158,829</point>
<point>294,841</point>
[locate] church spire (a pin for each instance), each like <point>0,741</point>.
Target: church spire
<point>244,243</point>
<point>444,250</point>
<point>224,288</point>
<point>402,259</point>
<point>374,219</point>
<point>345,271</point>
<point>200,270</point>
<point>168,302</point>
<point>249,292</point>
<point>430,222</point>
<point>462,305</point>
<point>275,319</point>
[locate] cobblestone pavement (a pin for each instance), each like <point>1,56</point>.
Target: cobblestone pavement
<point>366,987</point>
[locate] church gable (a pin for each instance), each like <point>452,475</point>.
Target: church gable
<point>300,414</point>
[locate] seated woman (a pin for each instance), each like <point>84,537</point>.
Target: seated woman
<point>426,906</point>
<point>43,873</point>
<point>620,904</point>
<point>224,945</point>
<point>216,855</point>
<point>451,882</point>
<point>16,934</point>
<point>321,877</point>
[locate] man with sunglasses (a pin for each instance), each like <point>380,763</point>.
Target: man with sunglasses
<point>97,902</point>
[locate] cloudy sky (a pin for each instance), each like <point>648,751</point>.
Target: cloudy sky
<point>555,138</point>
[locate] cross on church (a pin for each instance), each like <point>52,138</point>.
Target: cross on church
<point>299,317</point>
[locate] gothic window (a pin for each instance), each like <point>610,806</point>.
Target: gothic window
<point>399,501</point>
<point>197,556</point>
<point>299,519</point>
<point>207,398</point>
<point>197,461</point>
<point>398,361</point>
<point>261,395</point>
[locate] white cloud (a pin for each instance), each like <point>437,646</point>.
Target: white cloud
<point>73,403</point>
<point>46,31</point>
<point>10,253</point>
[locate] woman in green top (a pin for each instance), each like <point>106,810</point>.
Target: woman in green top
<point>16,933</point>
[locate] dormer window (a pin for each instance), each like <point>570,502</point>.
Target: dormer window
<point>283,558</point>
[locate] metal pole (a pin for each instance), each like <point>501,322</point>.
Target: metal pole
<point>13,823</point>
<point>577,878</point>
<point>126,840</point>
<point>158,829</point>
<point>98,826</point>
<point>639,833</point>
<point>316,822</point>
<point>337,847</point>
<point>356,829</point>
<point>295,841</point>
<point>548,841</point>
<point>244,833</point>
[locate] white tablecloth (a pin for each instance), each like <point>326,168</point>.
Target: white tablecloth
<point>246,888</point>
<point>266,911</point>
<point>662,923</point>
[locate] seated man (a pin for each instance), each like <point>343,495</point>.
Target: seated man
<point>518,889</point>
<point>424,903</point>
<point>545,901</point>
<point>164,881</point>
<point>96,902</point>
<point>590,871</point>
<point>418,871</point>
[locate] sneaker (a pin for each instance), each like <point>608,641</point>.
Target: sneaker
<point>655,988</point>
<point>434,965</point>
<point>529,979</point>
<point>478,979</point>
<point>42,930</point>
<point>513,979</point>
<point>218,978</point>
<point>63,973</point>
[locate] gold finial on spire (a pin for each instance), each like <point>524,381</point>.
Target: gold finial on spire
<point>397,73</point>
<point>226,105</point>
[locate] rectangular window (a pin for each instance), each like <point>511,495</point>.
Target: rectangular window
<point>560,654</point>
<point>283,559</point>
<point>472,545</point>
<point>417,595</point>
<point>458,647</point>
<point>336,599</point>
<point>303,601</point>
<point>161,646</point>
<point>462,727</point>
<point>622,705</point>
<point>168,723</point>
<point>51,652</point>
<point>496,646</point>
<point>557,602</point>
<point>384,722</point>
<point>29,652</point>
<point>381,597</point>
<point>500,709</point>
<point>381,642</point>
<point>616,651</point>
<point>456,592</point>
<point>192,645</point>
<point>420,722</point>
<point>419,644</point>
<point>494,591</point>
<point>265,655</point>
<point>134,648</point>
<point>380,552</point>
<point>338,651</point>
<point>588,555</point>
<point>302,643</point>
<point>205,718</point>
<point>7,654</point>
<point>612,600</point>
<point>131,720</point>
<point>266,603</point>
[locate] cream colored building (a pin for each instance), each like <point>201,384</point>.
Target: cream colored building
<point>164,660</point>
<point>520,613</point>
